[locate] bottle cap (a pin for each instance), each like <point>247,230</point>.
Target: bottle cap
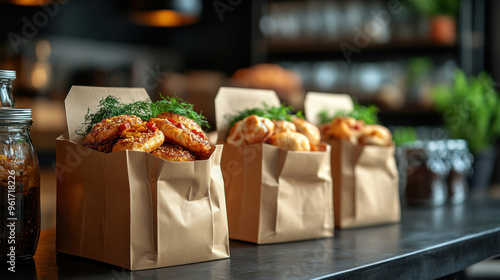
<point>15,114</point>
<point>7,74</point>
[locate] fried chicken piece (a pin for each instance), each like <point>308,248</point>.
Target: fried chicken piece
<point>172,152</point>
<point>104,135</point>
<point>344,128</point>
<point>284,126</point>
<point>308,129</point>
<point>144,137</point>
<point>252,129</point>
<point>321,147</point>
<point>291,141</point>
<point>187,122</point>
<point>177,132</point>
<point>375,134</point>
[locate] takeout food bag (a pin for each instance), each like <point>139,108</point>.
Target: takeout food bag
<point>130,208</point>
<point>272,195</point>
<point>365,177</point>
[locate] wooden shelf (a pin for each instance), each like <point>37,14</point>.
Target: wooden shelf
<point>315,45</point>
<point>410,115</point>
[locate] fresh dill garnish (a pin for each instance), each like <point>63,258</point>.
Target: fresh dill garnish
<point>368,114</point>
<point>281,113</point>
<point>325,117</point>
<point>145,109</point>
<point>177,106</point>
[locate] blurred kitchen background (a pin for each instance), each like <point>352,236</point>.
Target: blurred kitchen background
<point>384,52</point>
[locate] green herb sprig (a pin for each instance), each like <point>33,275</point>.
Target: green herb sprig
<point>111,106</point>
<point>368,114</point>
<point>404,135</point>
<point>432,8</point>
<point>281,113</point>
<point>177,106</point>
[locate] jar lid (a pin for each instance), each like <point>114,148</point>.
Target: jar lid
<point>457,144</point>
<point>15,114</point>
<point>7,74</point>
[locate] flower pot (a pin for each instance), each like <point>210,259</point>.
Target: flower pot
<point>484,163</point>
<point>443,29</point>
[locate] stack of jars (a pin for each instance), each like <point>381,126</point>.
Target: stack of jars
<point>19,179</point>
<point>434,172</point>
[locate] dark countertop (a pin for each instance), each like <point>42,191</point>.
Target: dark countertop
<point>427,244</point>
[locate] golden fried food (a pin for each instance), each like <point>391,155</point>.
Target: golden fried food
<point>284,126</point>
<point>375,134</point>
<point>291,141</point>
<point>177,133</point>
<point>251,130</point>
<point>308,129</point>
<point>269,76</point>
<point>343,128</point>
<point>321,147</point>
<point>144,137</point>
<point>104,135</point>
<point>172,152</point>
<point>324,129</point>
<point>186,122</point>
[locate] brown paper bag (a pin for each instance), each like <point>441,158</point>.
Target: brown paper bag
<point>132,209</point>
<point>365,178</point>
<point>272,195</point>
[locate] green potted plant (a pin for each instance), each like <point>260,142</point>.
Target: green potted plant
<point>442,19</point>
<point>471,111</point>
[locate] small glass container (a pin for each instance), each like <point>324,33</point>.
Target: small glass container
<point>19,186</point>
<point>460,164</point>
<point>426,183</point>
<point>6,96</point>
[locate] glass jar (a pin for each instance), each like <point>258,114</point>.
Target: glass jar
<point>427,172</point>
<point>460,164</point>
<point>19,186</point>
<point>6,96</point>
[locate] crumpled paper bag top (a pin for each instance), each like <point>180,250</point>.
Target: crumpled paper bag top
<point>81,99</point>
<point>230,100</point>
<point>316,102</point>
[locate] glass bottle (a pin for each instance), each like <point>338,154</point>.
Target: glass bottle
<point>426,183</point>
<point>6,96</point>
<point>461,161</point>
<point>19,186</point>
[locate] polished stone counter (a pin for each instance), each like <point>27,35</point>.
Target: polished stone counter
<point>428,243</point>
